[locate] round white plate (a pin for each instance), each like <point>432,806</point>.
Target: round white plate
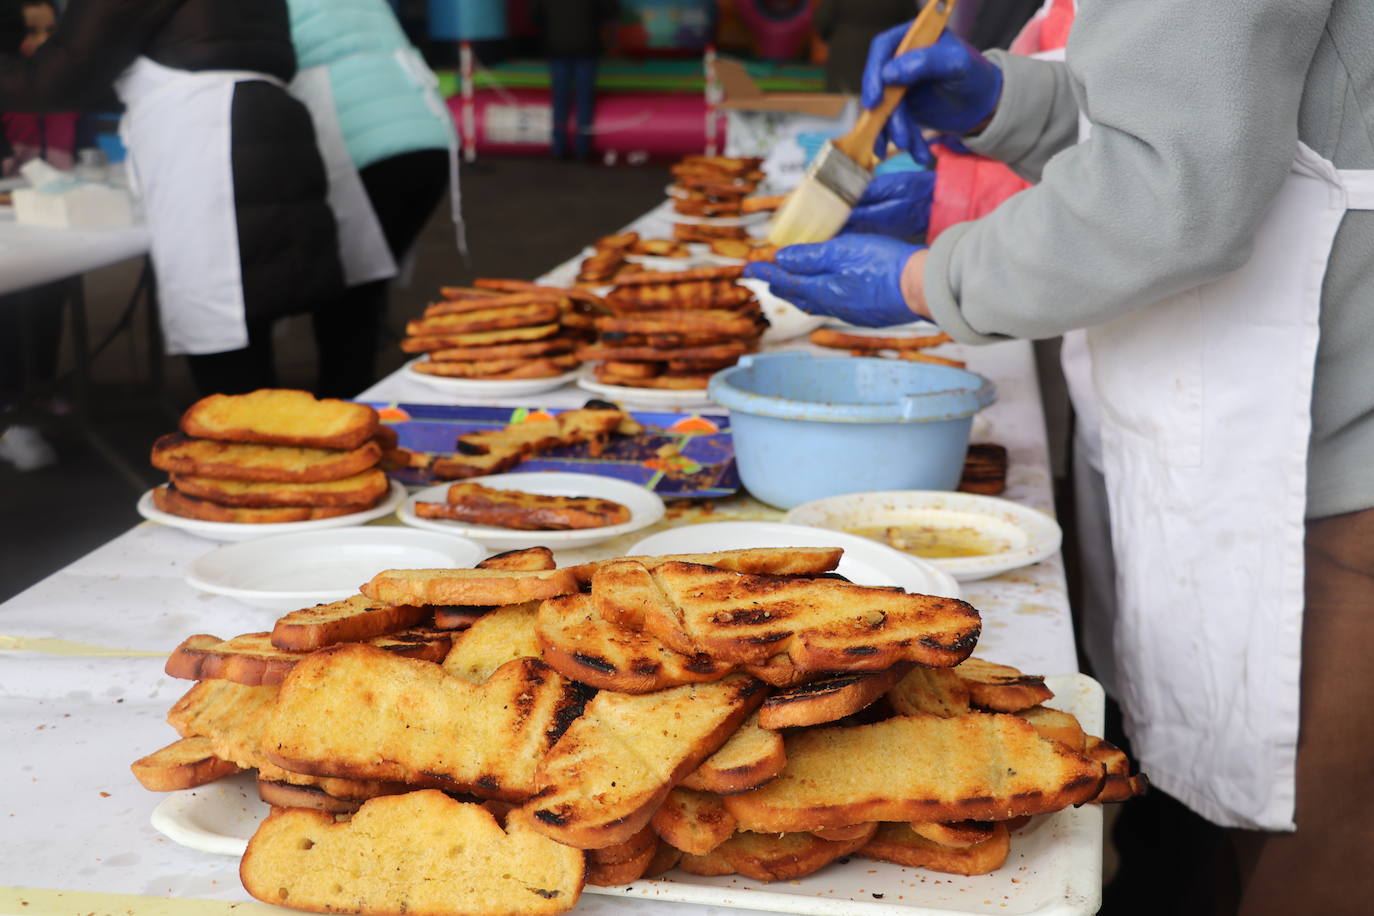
<point>218,817</point>
<point>658,262</point>
<point>785,320</point>
<point>645,508</point>
<point>646,397</point>
<point>489,388</point>
<point>1024,535</point>
<point>865,562</point>
<point>240,531</point>
<point>665,211</point>
<point>291,571</point>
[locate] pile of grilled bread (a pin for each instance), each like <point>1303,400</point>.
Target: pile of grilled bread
<point>672,330</point>
<point>500,330</point>
<point>481,505</point>
<point>488,740</point>
<point>274,455</point>
<point>612,255</point>
<point>744,249</point>
<point>712,186</point>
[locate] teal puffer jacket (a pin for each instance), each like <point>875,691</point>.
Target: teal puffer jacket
<point>382,104</point>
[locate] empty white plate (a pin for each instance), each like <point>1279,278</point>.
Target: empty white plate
<point>293,571</point>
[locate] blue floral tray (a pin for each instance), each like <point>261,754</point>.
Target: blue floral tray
<point>678,456</point>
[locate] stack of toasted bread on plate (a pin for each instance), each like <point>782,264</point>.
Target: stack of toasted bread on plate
<point>614,254</point>
<point>673,330</point>
<point>274,455</point>
<point>489,740</point>
<point>500,330</point>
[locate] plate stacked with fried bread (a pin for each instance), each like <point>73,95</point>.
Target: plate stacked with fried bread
<point>499,331</point>
<point>735,713</point>
<point>245,465</point>
<point>668,332</point>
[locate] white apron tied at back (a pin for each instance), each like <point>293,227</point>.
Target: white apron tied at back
<point>1206,402</point>
<point>363,250</point>
<point>424,78</point>
<point>176,127</point>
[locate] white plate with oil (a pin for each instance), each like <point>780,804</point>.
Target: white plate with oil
<point>968,536</point>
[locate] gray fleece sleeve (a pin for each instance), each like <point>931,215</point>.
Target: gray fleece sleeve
<point>1194,110</point>
<point>1036,117</point>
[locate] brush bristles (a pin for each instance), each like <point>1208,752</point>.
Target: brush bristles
<point>811,213</point>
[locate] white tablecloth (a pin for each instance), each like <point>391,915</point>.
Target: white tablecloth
<point>32,255</point>
<point>82,692</point>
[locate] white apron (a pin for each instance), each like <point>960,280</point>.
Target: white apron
<point>176,127</point>
<point>363,250</point>
<point>1205,405</point>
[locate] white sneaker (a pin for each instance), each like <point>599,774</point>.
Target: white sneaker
<point>26,449</point>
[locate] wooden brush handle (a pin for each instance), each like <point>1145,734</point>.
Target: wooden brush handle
<point>924,31</point>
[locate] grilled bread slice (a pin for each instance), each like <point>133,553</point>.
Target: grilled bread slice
<point>978,766</point>
<point>364,488</point>
<point>410,721</point>
<point>844,834</point>
<point>1058,726</point>
<point>180,454</point>
<point>465,320</point>
<point>752,756</point>
<point>285,795</point>
<point>958,834</point>
<point>1001,688</point>
<point>773,857</point>
<point>480,505</point>
<point>183,764</point>
<point>579,643</point>
<point>446,348</point>
<point>695,822</point>
<point>821,624</point>
<point>828,699</point>
<point>499,636</point>
<point>538,367</point>
<point>763,561</point>
<point>624,593</point>
<point>251,659</point>
<point>900,844</point>
<point>1120,783</point>
<point>458,617</point>
<point>468,587</point>
<point>276,416</point>
<point>624,862</point>
<point>354,619</point>
<point>930,691</point>
<point>529,559</point>
<point>422,854</point>
<point>170,500</point>
<point>493,450</point>
<point>613,767</point>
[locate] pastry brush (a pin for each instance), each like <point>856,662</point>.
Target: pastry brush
<point>837,177</point>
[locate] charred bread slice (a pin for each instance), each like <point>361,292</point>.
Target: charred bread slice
<point>752,756</point>
<point>183,764</point>
<point>251,659</point>
<point>773,857</point>
<point>530,559</point>
<point>169,499</point>
<point>501,635</point>
<point>827,699</point>
<point>180,454</point>
<point>900,844</point>
<point>363,488</point>
<point>354,619</point>
<point>489,587</point>
<point>481,505</point>
<point>930,691</point>
<point>695,822</point>
<point>768,561</point>
<point>276,416</point>
<point>1002,688</point>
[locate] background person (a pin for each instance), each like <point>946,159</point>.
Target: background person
<point>848,27</point>
<point>573,40</point>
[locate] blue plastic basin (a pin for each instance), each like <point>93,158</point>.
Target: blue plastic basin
<point>808,427</point>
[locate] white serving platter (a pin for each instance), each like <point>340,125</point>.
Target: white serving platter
<point>644,397</point>
<point>239,531</point>
<point>1017,534</point>
<point>865,562</point>
<point>488,388</point>
<point>1054,868</point>
<point>785,320</point>
<point>290,571</point>
<point>645,508</point>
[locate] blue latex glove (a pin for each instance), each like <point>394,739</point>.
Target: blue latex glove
<point>897,205</point>
<point>953,87</point>
<point>856,278</point>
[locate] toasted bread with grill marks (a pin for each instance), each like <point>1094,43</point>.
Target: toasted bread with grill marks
<point>930,691</point>
<point>422,854</point>
<point>363,488</point>
<point>900,844</point>
<point>172,501</point>
<point>354,619</point>
<point>607,775</point>
<point>579,643</point>
<point>501,635</point>
<point>843,834</point>
<point>1120,784</point>
<point>463,320</point>
<point>773,857</point>
<point>252,659</point>
<point>765,561</point>
<point>494,450</point>
<point>276,416</point>
<point>480,505</point>
<point>180,454</point>
<point>958,834</point>
<point>1001,688</point>
<point>183,764</point>
<point>974,767</point>
<point>538,367</point>
<point>695,822</point>
<point>1058,726</point>
<point>410,721</point>
<point>821,624</point>
<point>624,593</point>
<point>468,587</point>
<point>827,699</point>
<point>283,794</point>
<point>752,756</point>
<point>444,348</point>
<point>458,617</point>
<point>621,864</point>
<point>530,559</point>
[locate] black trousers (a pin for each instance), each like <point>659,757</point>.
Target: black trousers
<point>404,190</point>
